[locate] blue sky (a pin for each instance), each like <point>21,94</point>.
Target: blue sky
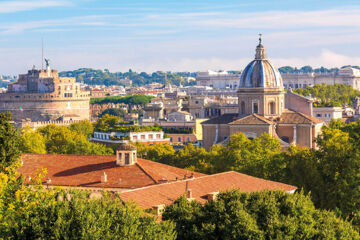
<point>147,35</point>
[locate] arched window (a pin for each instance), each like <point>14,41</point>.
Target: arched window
<point>255,107</point>
<point>272,107</point>
<point>242,107</point>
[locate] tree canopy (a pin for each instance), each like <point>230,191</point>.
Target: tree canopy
<point>62,140</point>
<point>259,215</point>
<point>330,95</point>
<point>137,99</point>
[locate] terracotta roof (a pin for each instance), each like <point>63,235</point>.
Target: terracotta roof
<point>166,193</point>
<point>253,119</point>
<point>86,171</point>
<point>223,119</point>
<point>292,117</point>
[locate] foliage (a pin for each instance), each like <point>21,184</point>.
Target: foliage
<point>9,142</point>
<point>99,77</point>
<point>83,127</point>
<point>330,95</point>
<point>62,140</point>
<point>241,154</point>
<point>111,123</point>
<point>259,215</point>
<point>307,69</point>
<point>113,111</point>
<point>33,213</point>
<point>32,141</point>
<point>137,99</point>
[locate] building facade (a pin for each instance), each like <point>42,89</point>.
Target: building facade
<point>262,109</point>
<point>41,95</point>
<point>348,76</point>
<point>217,80</point>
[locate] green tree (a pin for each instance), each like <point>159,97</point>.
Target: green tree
<point>31,141</point>
<point>83,127</point>
<point>113,111</point>
<point>9,142</point>
<point>259,215</point>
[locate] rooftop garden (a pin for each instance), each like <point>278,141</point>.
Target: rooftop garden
<point>110,123</point>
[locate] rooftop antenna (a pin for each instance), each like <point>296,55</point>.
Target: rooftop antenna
<point>42,53</point>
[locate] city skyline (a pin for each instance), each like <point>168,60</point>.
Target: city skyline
<point>172,36</point>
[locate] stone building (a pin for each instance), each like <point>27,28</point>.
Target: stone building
<point>217,80</point>
<point>264,108</point>
<point>41,95</point>
<point>348,76</point>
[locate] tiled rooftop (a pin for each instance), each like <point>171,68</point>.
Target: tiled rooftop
<point>292,117</point>
<point>86,171</point>
<point>253,119</point>
<point>166,193</point>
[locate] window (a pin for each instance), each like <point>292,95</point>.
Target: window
<point>143,137</point>
<point>134,137</point>
<point>127,158</point>
<point>150,136</point>
<point>255,107</point>
<point>285,139</point>
<point>171,139</point>
<point>188,139</point>
<point>272,107</point>
<point>158,136</point>
<point>242,107</point>
<point>179,139</point>
<point>318,115</point>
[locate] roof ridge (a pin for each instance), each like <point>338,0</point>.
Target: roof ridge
<point>262,118</point>
<point>184,180</point>
<point>148,174</point>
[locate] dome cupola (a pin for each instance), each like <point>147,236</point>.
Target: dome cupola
<point>260,73</point>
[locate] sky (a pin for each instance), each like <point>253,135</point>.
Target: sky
<point>172,35</point>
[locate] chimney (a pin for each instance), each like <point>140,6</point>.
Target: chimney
<point>212,196</point>
<point>188,194</point>
<point>104,178</point>
<point>159,209</point>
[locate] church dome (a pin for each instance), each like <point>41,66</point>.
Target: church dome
<point>260,73</point>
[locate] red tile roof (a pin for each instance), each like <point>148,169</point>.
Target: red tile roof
<point>166,193</point>
<point>86,171</point>
<point>292,117</point>
<point>253,119</point>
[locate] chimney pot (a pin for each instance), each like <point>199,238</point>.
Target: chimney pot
<point>104,178</point>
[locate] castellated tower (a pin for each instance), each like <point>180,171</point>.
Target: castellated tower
<point>41,95</point>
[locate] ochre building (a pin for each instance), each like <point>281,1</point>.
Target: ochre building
<point>264,107</point>
<point>41,95</point>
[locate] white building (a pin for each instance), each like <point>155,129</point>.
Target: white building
<point>120,137</point>
<point>218,80</point>
<point>327,113</point>
<point>348,76</point>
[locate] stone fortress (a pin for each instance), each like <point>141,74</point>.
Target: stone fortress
<point>41,95</point>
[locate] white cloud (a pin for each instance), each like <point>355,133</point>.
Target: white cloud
<point>17,6</point>
<point>287,19</point>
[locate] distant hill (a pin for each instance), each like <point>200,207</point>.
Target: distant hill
<point>98,77</point>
